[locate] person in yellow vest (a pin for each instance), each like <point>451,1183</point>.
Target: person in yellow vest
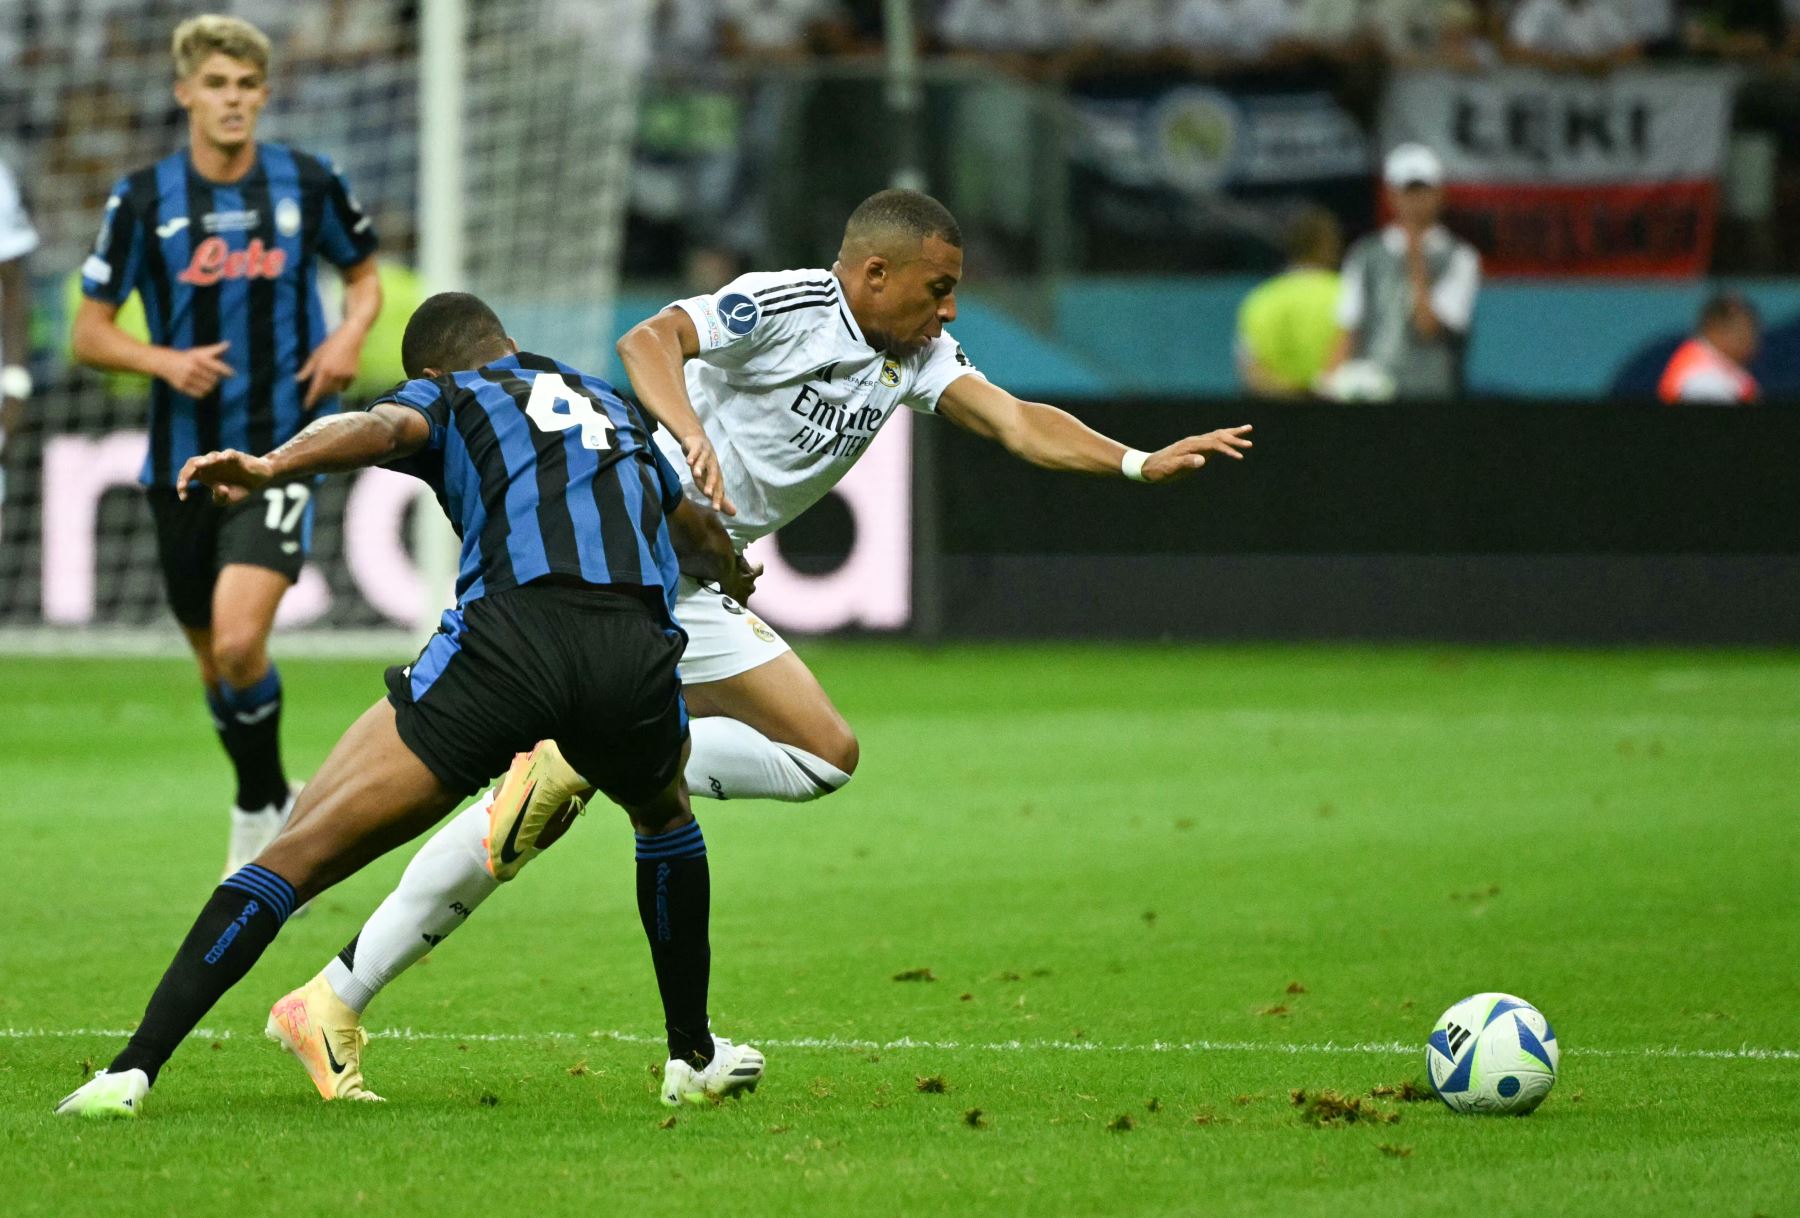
<point>1288,325</point>
<point>1710,367</point>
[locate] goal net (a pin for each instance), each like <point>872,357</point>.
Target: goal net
<point>505,124</point>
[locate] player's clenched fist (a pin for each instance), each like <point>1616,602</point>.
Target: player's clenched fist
<point>232,475</point>
<point>196,371</point>
<point>1185,456</point>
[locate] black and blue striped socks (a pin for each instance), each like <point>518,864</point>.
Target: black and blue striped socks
<point>674,891</point>
<point>249,726</point>
<point>240,920</point>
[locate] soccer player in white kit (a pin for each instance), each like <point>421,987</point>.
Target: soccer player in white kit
<point>770,388</point>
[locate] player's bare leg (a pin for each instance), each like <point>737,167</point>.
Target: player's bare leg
<point>244,692</point>
<point>771,732</point>
<point>371,795</point>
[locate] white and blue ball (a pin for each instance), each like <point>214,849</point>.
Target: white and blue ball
<point>1492,1053</point>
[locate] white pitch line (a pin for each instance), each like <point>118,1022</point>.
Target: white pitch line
<point>1367,1048</point>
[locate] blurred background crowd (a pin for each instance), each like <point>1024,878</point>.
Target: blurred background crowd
<point>1106,157</point>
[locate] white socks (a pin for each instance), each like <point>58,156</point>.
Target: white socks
<point>442,886</point>
<point>448,878</point>
<point>733,760</point>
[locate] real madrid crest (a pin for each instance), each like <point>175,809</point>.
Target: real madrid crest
<point>890,373</point>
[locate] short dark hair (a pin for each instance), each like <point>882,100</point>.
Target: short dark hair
<point>1314,235</point>
<point>909,213</point>
<point>451,331</point>
<point>1726,306</point>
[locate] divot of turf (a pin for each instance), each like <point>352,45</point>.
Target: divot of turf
<point>931,1084</point>
<point>915,974</point>
<point>1322,1108</point>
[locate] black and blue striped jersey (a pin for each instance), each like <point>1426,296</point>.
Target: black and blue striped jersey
<point>236,263</point>
<point>544,470</point>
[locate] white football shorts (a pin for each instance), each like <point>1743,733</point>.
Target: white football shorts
<point>724,637</point>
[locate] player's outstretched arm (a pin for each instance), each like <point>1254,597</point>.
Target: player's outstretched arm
<point>97,341</point>
<point>1056,439</point>
<point>652,353</point>
<point>331,445</point>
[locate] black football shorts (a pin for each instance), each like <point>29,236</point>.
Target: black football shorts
<point>196,539</point>
<point>592,669</point>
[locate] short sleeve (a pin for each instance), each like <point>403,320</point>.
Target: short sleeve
<point>17,236</point>
<point>346,234</point>
<point>750,323</point>
<point>943,362</point>
<point>1350,292</point>
<point>1453,295</point>
<point>111,270</point>
<point>430,400</point>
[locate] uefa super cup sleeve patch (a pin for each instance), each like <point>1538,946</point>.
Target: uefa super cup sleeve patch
<point>737,313</point>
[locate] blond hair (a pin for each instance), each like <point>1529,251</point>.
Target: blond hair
<point>214,34</point>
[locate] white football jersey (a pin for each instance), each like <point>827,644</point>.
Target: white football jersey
<point>791,395</point>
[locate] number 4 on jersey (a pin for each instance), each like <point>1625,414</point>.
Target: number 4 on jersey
<point>556,407</point>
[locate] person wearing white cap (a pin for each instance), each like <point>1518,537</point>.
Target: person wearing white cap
<point>1408,291</point>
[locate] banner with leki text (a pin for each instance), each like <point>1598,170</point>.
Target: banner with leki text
<point>1556,174</point>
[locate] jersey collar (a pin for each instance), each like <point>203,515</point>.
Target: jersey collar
<point>849,319</point>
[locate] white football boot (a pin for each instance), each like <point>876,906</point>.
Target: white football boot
<point>734,1068</point>
<point>107,1095</point>
<point>251,833</point>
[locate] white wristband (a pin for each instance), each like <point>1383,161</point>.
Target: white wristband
<point>1133,464</point>
<point>15,382</point>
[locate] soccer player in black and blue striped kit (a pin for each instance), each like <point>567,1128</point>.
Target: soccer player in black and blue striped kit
<point>571,522</point>
<point>223,242</point>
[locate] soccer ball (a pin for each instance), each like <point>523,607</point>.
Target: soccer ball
<point>1492,1053</point>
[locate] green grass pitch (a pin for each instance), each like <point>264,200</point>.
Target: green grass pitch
<point>1156,889</point>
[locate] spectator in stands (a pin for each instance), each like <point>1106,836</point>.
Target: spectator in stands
<point>1287,327</point>
<point>1437,34</point>
<point>1743,30</point>
<point>1408,291</point>
<point>1231,33</point>
<point>1113,31</point>
<point>1712,366</point>
<point>1579,35</point>
<point>782,29</point>
<point>1653,25</point>
<point>1001,27</point>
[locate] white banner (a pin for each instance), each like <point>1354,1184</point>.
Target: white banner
<point>1524,126</point>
